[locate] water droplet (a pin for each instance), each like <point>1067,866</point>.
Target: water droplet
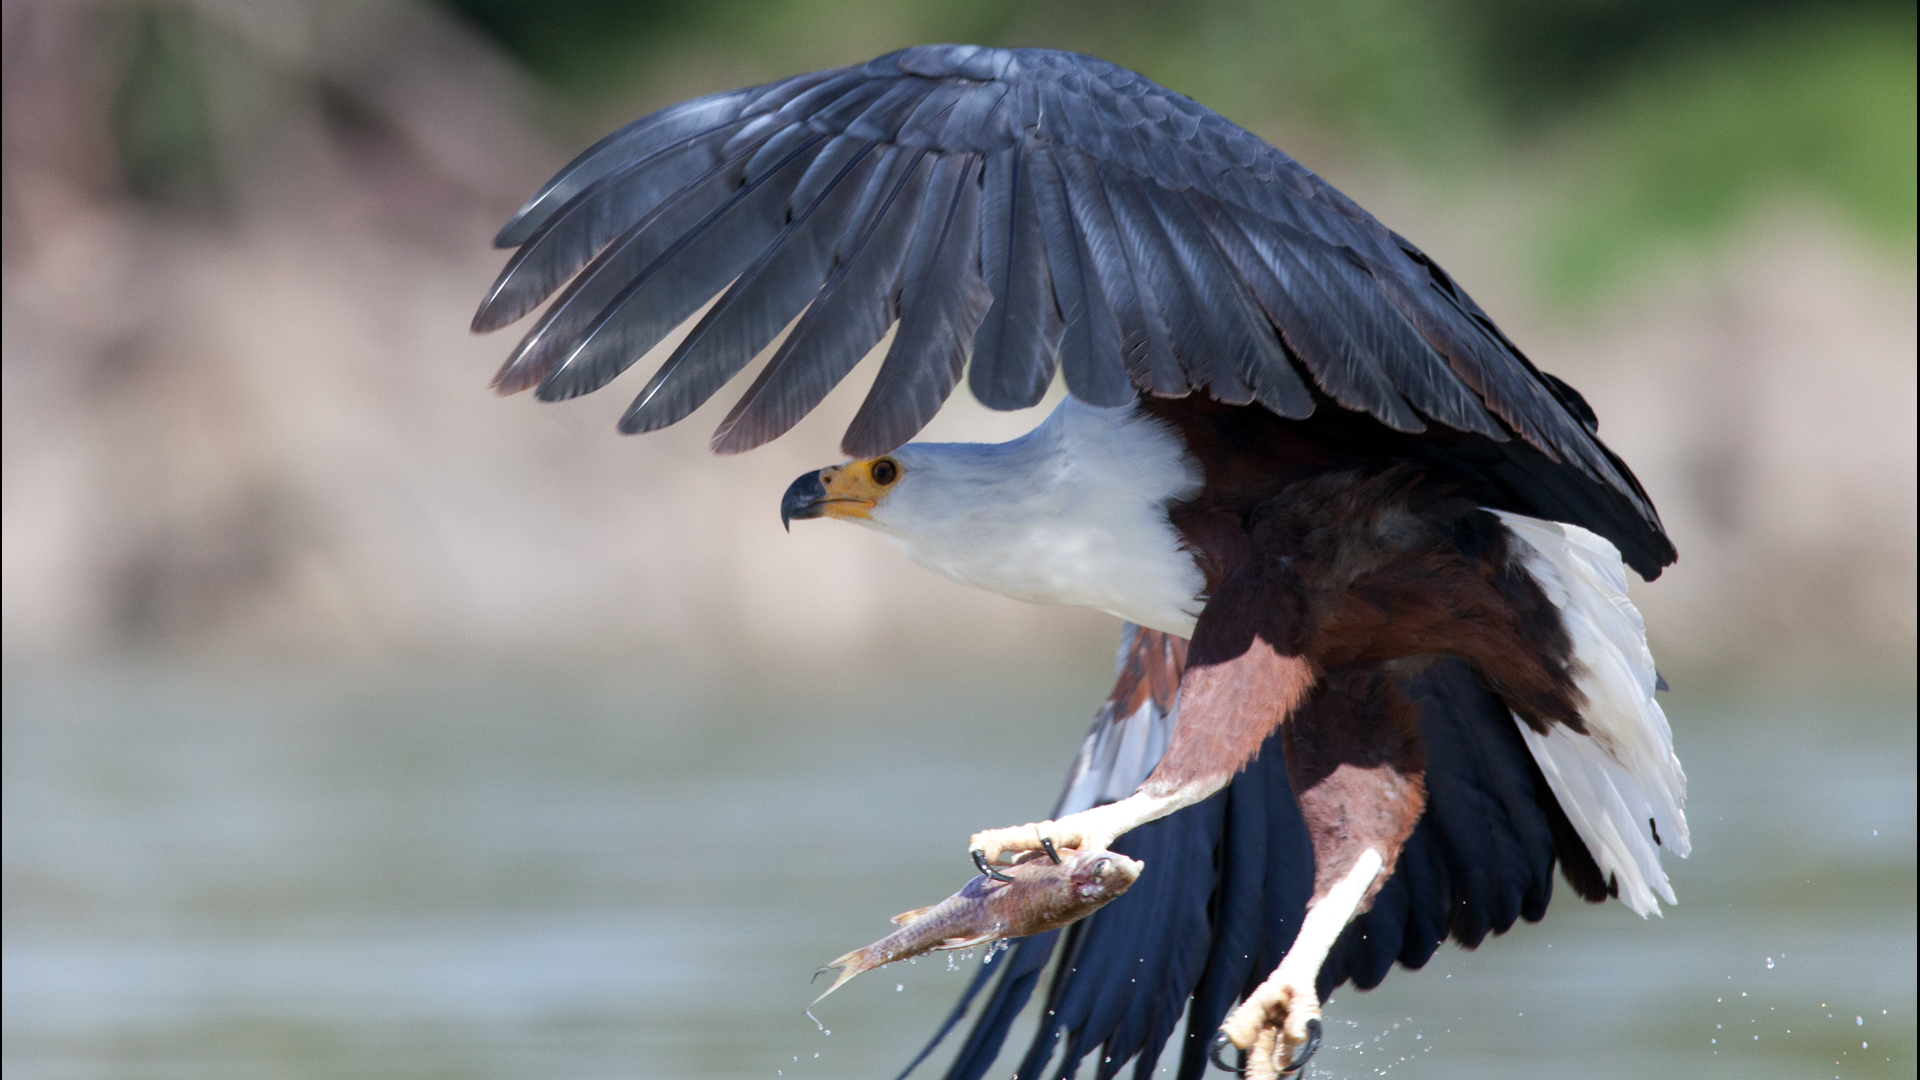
<point>1858,1020</point>
<point>897,987</point>
<point>1769,963</point>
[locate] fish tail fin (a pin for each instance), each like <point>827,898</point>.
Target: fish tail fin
<point>849,965</point>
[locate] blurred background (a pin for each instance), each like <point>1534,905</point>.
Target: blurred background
<point>360,723</point>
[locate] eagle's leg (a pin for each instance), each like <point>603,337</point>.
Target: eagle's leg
<point>1227,709</point>
<point>1354,759</point>
<point>1089,829</point>
<point>1279,1023</point>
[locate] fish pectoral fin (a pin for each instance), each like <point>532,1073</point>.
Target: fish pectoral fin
<point>964,942</point>
<point>906,917</point>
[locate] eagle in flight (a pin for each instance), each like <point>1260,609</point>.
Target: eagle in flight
<point>1378,673</point>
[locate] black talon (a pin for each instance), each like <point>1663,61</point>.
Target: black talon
<point>1046,845</point>
<point>980,860</point>
<point>1306,1052</point>
<point>1221,1042</point>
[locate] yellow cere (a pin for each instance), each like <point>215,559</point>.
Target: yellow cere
<point>854,489</point>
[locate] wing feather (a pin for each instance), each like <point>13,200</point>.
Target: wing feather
<point>1125,232</point>
<point>635,142</point>
<point>624,268</point>
<point>569,237</point>
<point>1017,346</point>
<point>851,315</point>
<point>1090,357</point>
<point>1163,283</point>
<point>767,296</point>
<point>942,300</point>
<point>1146,347</point>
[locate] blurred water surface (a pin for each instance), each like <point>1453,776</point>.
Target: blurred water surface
<point>491,874</point>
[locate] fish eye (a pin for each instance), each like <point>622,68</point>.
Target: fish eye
<point>1100,868</point>
<point>885,471</point>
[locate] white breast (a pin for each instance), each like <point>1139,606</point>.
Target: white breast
<point>1074,512</point>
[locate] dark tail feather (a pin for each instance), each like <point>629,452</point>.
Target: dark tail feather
<point>1482,856</point>
<point>1023,966</point>
<point>1221,876</point>
<point>1265,865</point>
<point>1044,942</point>
<point>1227,884</point>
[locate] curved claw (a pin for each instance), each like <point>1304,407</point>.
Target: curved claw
<point>1046,845</point>
<point>980,860</point>
<point>1306,1051</point>
<point>1221,1043</point>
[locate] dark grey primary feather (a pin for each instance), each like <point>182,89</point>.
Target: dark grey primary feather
<point>1146,345</point>
<point>639,140</point>
<point>1166,290</point>
<point>644,284</point>
<point>1018,343</point>
<point>767,296</point>
<point>572,235</point>
<point>1122,226</point>
<point>849,317</point>
<point>942,300</point>
<point>1248,350</point>
<point>1090,356</point>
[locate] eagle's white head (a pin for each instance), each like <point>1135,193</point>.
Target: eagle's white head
<point>1073,512</point>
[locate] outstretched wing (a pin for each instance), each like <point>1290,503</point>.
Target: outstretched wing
<point>1229,880</point>
<point>1027,207</point>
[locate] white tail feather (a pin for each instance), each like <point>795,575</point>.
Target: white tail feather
<point>1619,784</point>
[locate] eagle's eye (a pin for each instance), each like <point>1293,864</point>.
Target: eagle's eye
<point>885,471</point>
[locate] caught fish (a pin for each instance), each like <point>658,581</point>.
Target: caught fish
<point>1042,895</point>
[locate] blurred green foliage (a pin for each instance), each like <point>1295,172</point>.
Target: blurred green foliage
<point>1652,124</point>
<point>160,115</point>
<point>1683,147</point>
<point>1642,126</point>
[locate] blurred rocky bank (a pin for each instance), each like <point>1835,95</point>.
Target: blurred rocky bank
<point>248,419</point>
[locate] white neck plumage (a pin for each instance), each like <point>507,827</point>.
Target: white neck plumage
<point>1073,512</point>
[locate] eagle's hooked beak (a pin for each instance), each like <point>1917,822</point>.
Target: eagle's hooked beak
<point>842,491</point>
<point>805,498</point>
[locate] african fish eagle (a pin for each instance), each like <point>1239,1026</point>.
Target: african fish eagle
<point>1379,672</point>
